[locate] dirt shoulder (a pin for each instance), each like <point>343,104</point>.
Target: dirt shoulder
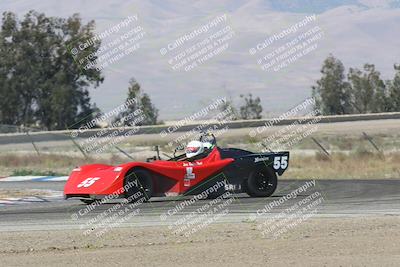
<point>316,242</point>
<point>21,193</point>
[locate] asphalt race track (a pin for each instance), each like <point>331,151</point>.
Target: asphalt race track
<point>340,198</point>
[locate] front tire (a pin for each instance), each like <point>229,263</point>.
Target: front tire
<point>139,185</point>
<point>262,182</point>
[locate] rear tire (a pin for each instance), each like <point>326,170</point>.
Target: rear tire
<point>144,188</point>
<point>262,182</point>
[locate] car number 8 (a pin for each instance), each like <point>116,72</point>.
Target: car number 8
<point>280,162</point>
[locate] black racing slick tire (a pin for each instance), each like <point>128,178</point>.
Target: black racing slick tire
<point>138,184</point>
<point>262,182</point>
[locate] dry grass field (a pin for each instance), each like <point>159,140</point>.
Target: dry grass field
<point>363,165</point>
<point>352,155</point>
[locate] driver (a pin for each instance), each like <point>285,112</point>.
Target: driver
<point>197,149</point>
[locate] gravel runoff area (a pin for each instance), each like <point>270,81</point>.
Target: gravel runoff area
<point>358,241</point>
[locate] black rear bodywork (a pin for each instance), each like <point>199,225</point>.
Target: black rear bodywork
<point>245,162</point>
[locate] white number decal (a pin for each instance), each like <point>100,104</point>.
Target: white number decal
<point>284,162</point>
<point>280,163</point>
<point>88,182</point>
<point>277,163</point>
<point>232,187</point>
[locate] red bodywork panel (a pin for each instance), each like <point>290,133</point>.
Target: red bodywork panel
<point>169,177</point>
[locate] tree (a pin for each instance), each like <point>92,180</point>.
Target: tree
<point>394,91</point>
<point>332,93</point>
<point>10,95</point>
<point>229,107</point>
<point>141,105</point>
<point>368,90</point>
<point>251,109</point>
<point>40,81</point>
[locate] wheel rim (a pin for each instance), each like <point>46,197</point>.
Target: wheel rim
<point>263,181</point>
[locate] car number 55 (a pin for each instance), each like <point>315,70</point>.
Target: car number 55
<point>280,163</point>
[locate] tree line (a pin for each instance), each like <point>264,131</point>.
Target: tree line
<point>360,91</point>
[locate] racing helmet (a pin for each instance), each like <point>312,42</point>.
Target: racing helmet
<point>194,148</point>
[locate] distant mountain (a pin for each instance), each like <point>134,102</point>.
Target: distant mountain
<point>355,31</point>
<point>309,6</point>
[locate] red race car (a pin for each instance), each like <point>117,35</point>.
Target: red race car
<point>204,168</point>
